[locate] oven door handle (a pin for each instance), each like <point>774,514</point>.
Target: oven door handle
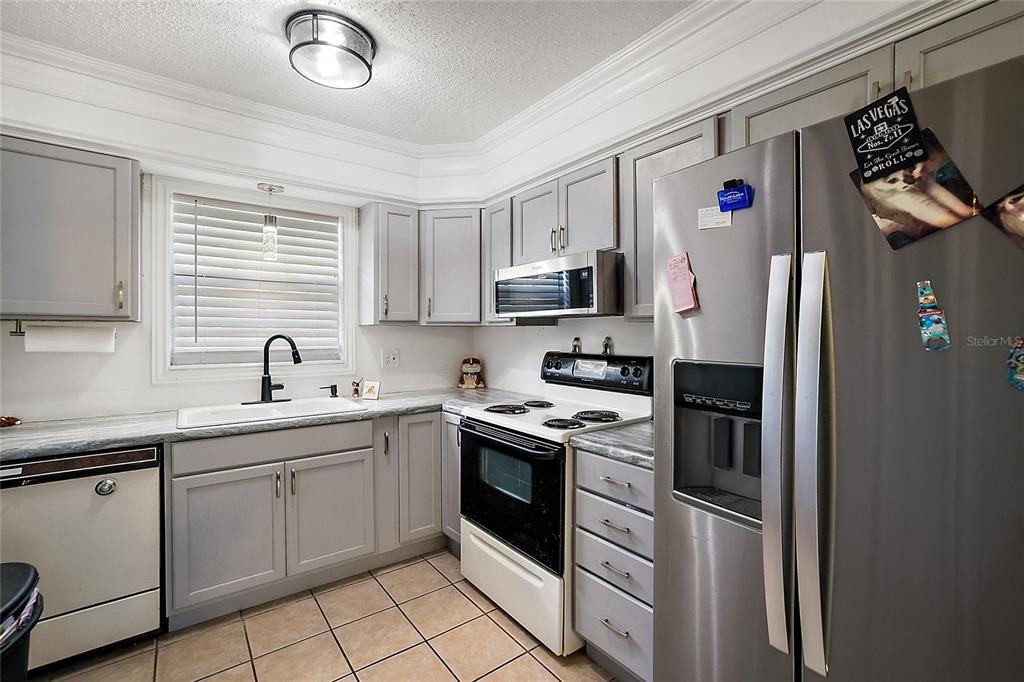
<point>537,454</point>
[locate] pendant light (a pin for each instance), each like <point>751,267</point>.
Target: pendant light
<point>269,221</point>
<point>329,49</point>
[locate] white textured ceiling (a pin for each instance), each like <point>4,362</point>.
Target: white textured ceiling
<point>445,71</point>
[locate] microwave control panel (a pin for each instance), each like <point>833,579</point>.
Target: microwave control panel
<point>623,373</point>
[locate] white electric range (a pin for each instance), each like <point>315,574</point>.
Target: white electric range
<point>517,484</point>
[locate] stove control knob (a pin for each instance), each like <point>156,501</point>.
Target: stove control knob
<point>547,364</point>
<point>558,364</point>
<point>624,371</point>
<point>637,372</point>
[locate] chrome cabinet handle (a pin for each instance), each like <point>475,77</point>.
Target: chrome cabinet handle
<point>277,484</point>
<point>774,393</point>
<point>609,479</point>
<point>624,634</point>
<point>293,482</point>
<point>458,438</point>
<point>614,526</point>
<point>616,571</point>
<point>561,237</point>
<point>120,295</point>
<point>387,443</point>
<point>908,78</point>
<point>876,89</point>
<point>430,305</point>
<point>106,487</point>
<point>385,305</point>
<point>551,240</point>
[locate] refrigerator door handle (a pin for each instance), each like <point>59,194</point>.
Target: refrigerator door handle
<point>812,429</point>
<point>773,493</point>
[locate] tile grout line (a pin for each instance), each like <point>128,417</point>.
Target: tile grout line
<point>334,635</point>
<point>427,641</point>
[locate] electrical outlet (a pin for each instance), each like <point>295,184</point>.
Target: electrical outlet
<point>389,357</point>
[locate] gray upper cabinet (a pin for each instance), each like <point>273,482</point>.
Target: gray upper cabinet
<point>419,476</point>
<point>586,209</point>
<point>834,92</point>
<point>69,248</point>
<point>984,37</point>
<point>639,167</point>
<point>495,253</point>
<point>535,223</point>
<point>329,510</point>
<point>451,478</point>
<point>211,512</point>
<point>450,293</point>
<point>389,264</point>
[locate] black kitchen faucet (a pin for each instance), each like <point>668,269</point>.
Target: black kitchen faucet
<point>267,386</point>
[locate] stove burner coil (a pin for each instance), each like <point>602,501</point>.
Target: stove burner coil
<point>598,416</point>
<point>539,403</point>
<point>564,424</point>
<point>507,409</point>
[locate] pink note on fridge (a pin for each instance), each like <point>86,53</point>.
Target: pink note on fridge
<point>682,283</point>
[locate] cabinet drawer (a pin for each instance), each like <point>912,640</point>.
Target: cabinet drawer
<point>617,480</point>
<point>616,623</point>
<point>620,525</point>
<point>610,563</point>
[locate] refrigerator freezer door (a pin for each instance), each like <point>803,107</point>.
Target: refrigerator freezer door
<point>920,479</point>
<point>711,622</point>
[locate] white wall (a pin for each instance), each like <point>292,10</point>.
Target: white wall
<point>511,355</point>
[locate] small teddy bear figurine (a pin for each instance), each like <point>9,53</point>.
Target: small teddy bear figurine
<point>355,387</point>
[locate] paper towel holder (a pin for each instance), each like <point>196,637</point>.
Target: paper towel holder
<point>18,331</point>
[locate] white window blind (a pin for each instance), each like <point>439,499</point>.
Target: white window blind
<point>228,299</point>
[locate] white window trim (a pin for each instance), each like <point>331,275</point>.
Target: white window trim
<point>159,194</point>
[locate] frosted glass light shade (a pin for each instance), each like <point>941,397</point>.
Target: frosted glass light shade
<point>330,50</point>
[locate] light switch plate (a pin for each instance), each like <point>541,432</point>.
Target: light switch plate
<point>390,357</point>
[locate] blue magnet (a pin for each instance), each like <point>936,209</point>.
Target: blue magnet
<point>735,195</point>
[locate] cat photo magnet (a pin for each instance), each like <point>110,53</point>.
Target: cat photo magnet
<point>914,202</point>
<point>1008,215</point>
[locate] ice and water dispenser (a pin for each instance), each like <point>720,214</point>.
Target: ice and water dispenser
<point>718,434</point>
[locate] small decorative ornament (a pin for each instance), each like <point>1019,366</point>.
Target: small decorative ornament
<point>1016,364</point>
<point>471,374</point>
<point>371,390</point>
<point>355,387</point>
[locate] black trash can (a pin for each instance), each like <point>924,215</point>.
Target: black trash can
<point>20,608</point>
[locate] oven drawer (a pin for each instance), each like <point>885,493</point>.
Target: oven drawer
<point>615,523</point>
<point>616,623</point>
<point>625,482</point>
<point>609,562</point>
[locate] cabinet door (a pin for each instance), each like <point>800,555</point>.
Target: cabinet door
<point>496,253</point>
<point>419,476</point>
<point>70,241</point>
<point>834,92</point>
<point>984,37</point>
<point>451,266</point>
<point>398,236</point>
<point>227,532</point>
<point>385,482</point>
<point>535,223</point>
<point>329,513</point>
<point>586,208</point>
<point>638,169</point>
<point>451,475</point>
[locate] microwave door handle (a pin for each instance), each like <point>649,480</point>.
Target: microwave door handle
<point>811,430</point>
<point>776,356</point>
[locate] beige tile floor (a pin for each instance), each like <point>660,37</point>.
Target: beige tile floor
<point>417,620</point>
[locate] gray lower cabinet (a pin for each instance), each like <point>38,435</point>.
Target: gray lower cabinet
<point>450,256</point>
<point>329,511</point>
<point>834,92</point>
<point>639,167</point>
<point>385,482</point>
<point>981,38</point>
<point>495,253</point>
<point>211,513</point>
<point>70,242</point>
<point>419,476</point>
<point>388,264</point>
<point>587,216</point>
<point>451,477</point>
<point>535,223</point>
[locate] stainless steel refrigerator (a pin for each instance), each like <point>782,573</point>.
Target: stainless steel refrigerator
<point>835,501</point>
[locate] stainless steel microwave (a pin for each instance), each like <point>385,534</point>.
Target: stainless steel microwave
<point>580,285</point>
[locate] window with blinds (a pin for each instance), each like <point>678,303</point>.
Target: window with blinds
<point>228,299</point>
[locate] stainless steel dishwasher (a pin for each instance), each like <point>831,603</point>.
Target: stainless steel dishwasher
<point>90,524</point>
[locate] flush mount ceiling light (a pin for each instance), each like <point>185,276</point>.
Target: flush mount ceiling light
<point>329,49</point>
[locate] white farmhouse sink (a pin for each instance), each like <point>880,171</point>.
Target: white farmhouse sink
<point>236,413</point>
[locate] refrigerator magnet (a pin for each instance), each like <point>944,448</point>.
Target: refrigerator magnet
<point>912,203</point>
<point>1007,214</point>
<point>885,136</point>
<point>735,195</point>
<point>1016,364</point>
<point>931,319</point>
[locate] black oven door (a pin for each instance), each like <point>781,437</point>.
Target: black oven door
<point>513,486</point>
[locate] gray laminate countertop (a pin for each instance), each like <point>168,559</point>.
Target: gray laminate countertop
<point>633,444</point>
<point>33,440</point>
